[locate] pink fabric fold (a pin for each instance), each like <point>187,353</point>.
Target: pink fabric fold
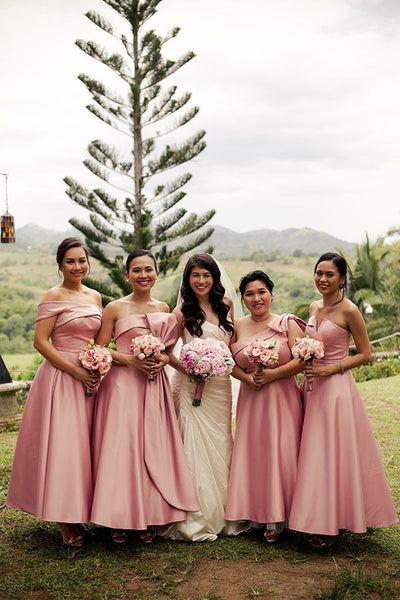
<point>141,472</point>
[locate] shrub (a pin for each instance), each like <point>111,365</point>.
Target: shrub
<point>377,370</point>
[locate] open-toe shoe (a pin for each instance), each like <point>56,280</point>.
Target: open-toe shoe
<point>146,537</point>
<point>119,536</point>
<point>271,535</point>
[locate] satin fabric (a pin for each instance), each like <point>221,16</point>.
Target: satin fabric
<point>341,483</point>
<point>268,430</point>
<point>140,469</point>
<point>207,437</point>
<point>51,476</point>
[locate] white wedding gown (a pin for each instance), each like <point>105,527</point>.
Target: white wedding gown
<point>207,438</point>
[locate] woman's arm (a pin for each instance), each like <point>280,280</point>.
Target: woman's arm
<point>43,331</point>
<point>288,369</point>
<point>247,378</point>
<point>174,360</point>
<point>356,325</point>
<point>110,315</point>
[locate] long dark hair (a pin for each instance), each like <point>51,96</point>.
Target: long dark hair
<point>193,316</point>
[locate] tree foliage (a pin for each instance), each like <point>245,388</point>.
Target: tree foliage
<point>136,206</point>
<point>375,282</point>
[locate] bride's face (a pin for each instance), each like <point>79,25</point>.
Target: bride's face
<point>200,281</point>
<point>257,298</point>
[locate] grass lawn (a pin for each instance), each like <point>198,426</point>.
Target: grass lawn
<point>18,363</point>
<point>35,565</point>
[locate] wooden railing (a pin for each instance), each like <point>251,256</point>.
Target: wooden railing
<point>384,353</point>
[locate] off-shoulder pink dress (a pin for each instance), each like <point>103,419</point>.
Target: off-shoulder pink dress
<point>266,445</point>
<point>51,476</point>
<point>341,483</point>
<point>140,470</point>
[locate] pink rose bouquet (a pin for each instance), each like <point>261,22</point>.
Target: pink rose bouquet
<point>95,358</point>
<point>145,346</point>
<point>205,358</point>
<point>307,349</point>
<point>262,354</point>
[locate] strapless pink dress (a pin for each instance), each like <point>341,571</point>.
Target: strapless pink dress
<point>341,483</point>
<point>266,445</point>
<point>51,476</point>
<point>140,470</point>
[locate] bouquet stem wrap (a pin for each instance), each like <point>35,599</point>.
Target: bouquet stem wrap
<point>309,384</point>
<point>198,392</point>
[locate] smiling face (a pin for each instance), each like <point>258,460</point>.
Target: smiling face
<point>142,273</point>
<point>257,298</point>
<point>200,281</point>
<point>74,265</point>
<point>327,278</point>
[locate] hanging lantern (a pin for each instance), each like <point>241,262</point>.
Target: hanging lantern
<point>7,222</point>
<point>7,229</point>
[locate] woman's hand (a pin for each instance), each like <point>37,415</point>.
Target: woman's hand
<point>161,360</point>
<point>264,376</point>
<point>312,372</point>
<point>250,381</point>
<point>90,379</point>
<point>146,365</point>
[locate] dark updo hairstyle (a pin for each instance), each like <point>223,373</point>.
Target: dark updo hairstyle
<point>137,253</point>
<point>341,265</point>
<point>193,315</point>
<point>66,245</point>
<point>256,275</point>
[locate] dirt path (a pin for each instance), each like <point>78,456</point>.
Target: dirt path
<point>245,578</point>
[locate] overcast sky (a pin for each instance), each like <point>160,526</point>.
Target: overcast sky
<point>300,100</point>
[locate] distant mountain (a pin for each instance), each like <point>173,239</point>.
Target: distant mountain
<point>227,243</point>
<point>35,236</point>
<point>231,244</point>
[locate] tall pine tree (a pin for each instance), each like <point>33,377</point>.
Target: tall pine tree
<point>136,207</point>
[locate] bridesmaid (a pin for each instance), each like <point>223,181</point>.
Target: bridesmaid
<point>341,482</point>
<point>141,476</point>
<point>269,414</point>
<point>51,476</point>
<point>206,430</point>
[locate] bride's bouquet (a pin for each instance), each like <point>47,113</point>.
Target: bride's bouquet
<point>95,358</point>
<point>203,359</point>
<point>262,354</point>
<point>145,346</point>
<point>307,349</point>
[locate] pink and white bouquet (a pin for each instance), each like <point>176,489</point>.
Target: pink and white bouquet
<point>95,358</point>
<point>203,359</point>
<point>262,354</point>
<point>307,349</point>
<point>145,346</point>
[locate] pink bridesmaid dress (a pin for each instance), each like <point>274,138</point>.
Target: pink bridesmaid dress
<point>51,476</point>
<point>267,439</point>
<point>140,470</point>
<point>341,483</point>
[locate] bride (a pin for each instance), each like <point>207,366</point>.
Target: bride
<point>204,311</point>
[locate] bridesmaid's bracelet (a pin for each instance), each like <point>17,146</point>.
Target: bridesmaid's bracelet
<point>341,367</point>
